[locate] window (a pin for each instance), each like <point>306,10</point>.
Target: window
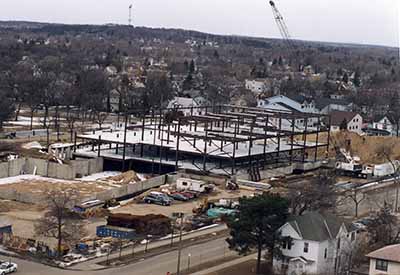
<point>338,243</point>
<point>306,245</point>
<point>287,245</point>
<point>381,265</point>
<point>353,236</point>
<point>184,183</point>
<point>326,253</point>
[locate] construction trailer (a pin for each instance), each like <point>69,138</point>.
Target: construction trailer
<point>220,140</point>
<point>191,185</point>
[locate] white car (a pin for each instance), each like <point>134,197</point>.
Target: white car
<point>8,267</point>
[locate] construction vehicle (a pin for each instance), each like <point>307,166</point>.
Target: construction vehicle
<point>203,207</point>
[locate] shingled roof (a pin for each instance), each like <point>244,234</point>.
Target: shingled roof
<point>315,226</point>
<point>389,253</point>
<point>337,117</point>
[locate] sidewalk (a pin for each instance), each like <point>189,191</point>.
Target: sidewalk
<point>92,265</point>
<point>226,265</point>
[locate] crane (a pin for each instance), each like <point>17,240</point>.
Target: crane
<point>130,15</point>
<point>283,29</point>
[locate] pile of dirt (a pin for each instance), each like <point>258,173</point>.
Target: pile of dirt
<point>364,146</point>
<point>125,178</point>
<point>158,225</point>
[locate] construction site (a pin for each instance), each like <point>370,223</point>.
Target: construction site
<point>223,140</point>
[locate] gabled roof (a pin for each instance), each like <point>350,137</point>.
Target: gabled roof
<point>301,259</point>
<point>322,102</point>
<point>378,118</point>
<point>389,253</point>
<point>337,117</point>
<point>315,226</point>
<point>182,102</point>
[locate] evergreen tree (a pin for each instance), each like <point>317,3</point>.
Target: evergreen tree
<point>256,225</point>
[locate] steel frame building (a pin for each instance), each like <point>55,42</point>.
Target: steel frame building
<point>213,139</point>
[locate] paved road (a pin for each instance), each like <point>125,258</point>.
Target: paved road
<point>158,265</point>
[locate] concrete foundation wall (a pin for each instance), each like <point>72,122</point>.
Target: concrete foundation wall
<point>21,197</point>
<point>269,173</point>
<point>40,164</point>
<point>12,168</point>
<point>308,166</point>
<point>87,166</point>
<point>44,168</point>
<point>130,188</point>
<point>61,171</point>
<point>4,170</point>
<point>217,180</point>
<point>95,165</point>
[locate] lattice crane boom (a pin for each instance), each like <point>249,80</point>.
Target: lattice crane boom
<point>283,29</point>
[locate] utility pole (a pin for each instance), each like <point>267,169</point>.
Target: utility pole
<point>179,215</point>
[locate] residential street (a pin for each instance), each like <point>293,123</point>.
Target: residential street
<point>158,265</point>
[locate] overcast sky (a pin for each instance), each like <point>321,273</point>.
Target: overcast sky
<point>360,21</point>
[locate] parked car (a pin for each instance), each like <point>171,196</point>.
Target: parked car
<point>8,267</point>
<point>158,198</point>
<point>189,195</point>
<point>179,196</point>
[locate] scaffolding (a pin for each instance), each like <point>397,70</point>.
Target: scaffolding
<point>212,139</point>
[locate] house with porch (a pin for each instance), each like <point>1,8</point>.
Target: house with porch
<point>319,244</point>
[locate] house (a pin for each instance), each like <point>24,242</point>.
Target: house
<point>384,123</point>
<point>327,105</point>
<point>298,104</point>
<point>184,102</point>
<point>256,86</point>
<point>351,121</point>
<point>320,244</point>
<point>385,260</point>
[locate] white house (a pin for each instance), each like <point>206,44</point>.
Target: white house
<point>352,122</point>
<point>385,261</point>
<point>189,104</point>
<point>297,105</point>
<point>320,244</point>
<point>385,124</point>
<point>255,86</point>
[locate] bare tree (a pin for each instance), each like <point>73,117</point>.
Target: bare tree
<point>316,194</point>
<point>71,119</point>
<point>357,197</point>
<point>384,229</point>
<point>59,222</point>
<point>100,117</point>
